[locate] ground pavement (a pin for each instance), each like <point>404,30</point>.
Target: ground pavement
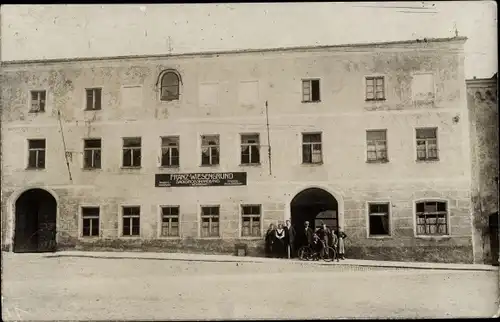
<point>66,287</point>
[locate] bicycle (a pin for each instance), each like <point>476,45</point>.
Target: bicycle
<point>327,253</point>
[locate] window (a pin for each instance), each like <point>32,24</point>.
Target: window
<point>310,90</point>
<point>376,146</point>
<point>170,151</point>
<point>170,221</point>
<point>250,149</point>
<point>131,152</point>
<point>311,148</point>
<point>131,221</point>
<point>170,86</point>
<point>90,221</point>
<point>93,99</point>
<point>210,221</point>
<point>92,154</point>
<point>432,218</point>
<point>250,221</point>
<point>378,214</point>
<point>36,154</point>
<point>427,144</point>
<point>38,99</point>
<point>375,89</point>
<point>210,150</point>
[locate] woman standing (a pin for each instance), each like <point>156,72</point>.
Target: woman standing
<point>341,238</point>
<point>280,248</point>
<point>270,240</point>
<point>335,243</point>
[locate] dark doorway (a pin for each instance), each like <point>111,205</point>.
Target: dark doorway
<point>314,205</point>
<point>494,242</point>
<point>35,230</point>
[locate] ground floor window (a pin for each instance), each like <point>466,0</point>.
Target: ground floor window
<point>90,221</point>
<point>251,218</point>
<point>170,221</point>
<point>131,221</point>
<point>432,218</point>
<point>210,221</point>
<point>379,223</point>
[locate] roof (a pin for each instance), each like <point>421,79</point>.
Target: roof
<point>231,52</point>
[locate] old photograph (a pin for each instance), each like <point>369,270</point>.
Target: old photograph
<point>243,161</point>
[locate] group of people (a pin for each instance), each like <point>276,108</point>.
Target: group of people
<point>283,241</point>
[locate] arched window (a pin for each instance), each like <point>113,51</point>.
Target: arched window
<point>169,86</point>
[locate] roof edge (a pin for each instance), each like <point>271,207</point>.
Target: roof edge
<point>462,39</point>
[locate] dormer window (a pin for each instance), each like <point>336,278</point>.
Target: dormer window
<point>170,83</point>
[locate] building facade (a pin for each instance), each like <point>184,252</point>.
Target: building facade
<point>198,152</point>
<point>483,114</point>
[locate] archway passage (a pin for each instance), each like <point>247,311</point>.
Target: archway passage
<point>314,205</point>
<point>494,240</point>
<point>35,226</point>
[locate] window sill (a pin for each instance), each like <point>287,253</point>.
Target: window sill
<point>211,238</point>
<point>430,237</point>
<point>91,169</point>
<point>92,110</point>
<point>168,167</point>
<point>377,161</point>
<point>309,102</point>
<point>131,168</point>
<point>210,165</point>
<point>251,237</point>
<point>426,160</point>
<point>307,164</point>
<point>130,237</point>
<point>379,237</point>
<point>90,238</point>
<point>169,237</point>
<point>250,164</point>
<point>375,100</point>
<point>36,112</point>
<point>172,100</point>
<point>35,169</point>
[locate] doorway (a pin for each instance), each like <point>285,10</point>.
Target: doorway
<point>35,225</point>
<point>314,205</point>
<point>494,240</point>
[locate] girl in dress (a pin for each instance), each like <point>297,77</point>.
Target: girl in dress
<point>280,242</point>
<point>341,249</point>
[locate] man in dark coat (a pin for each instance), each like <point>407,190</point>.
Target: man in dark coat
<point>307,234</point>
<point>290,239</point>
<point>324,234</point>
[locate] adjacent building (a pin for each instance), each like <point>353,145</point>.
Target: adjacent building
<point>198,152</point>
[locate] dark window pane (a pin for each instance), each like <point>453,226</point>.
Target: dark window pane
<point>87,158</point>
<point>98,99</point>
<point>127,158</point>
<point>94,143</point>
<point>97,159</point>
<point>135,226</point>
<point>132,142</point>
<point>41,159</point>
<point>36,144</point>
<point>32,162</point>
<point>126,226</point>
<point>137,158</point>
<point>95,227</point>
<point>315,90</point>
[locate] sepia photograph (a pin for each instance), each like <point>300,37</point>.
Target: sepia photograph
<point>249,161</point>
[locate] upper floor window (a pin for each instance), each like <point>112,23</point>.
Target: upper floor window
<point>432,218</point>
<point>375,88</point>
<point>38,99</point>
<point>92,154</point>
<point>310,90</point>
<point>131,152</point>
<point>427,144</point>
<point>376,145</point>
<point>210,150</point>
<point>36,154</point>
<point>170,151</point>
<point>93,99</point>
<point>311,148</point>
<point>170,84</point>
<point>250,149</point>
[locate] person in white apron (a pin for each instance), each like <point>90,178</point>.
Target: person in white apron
<point>342,236</point>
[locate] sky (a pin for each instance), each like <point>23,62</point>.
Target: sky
<point>69,31</point>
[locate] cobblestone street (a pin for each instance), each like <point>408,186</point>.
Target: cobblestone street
<point>36,287</point>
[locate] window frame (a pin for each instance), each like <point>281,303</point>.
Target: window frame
<point>251,216</point>
<point>170,151</point>
<point>82,218</point>
<point>377,160</point>
<point>28,150</point>
<point>250,145</point>
<point>160,226</point>
<point>447,216</point>
<point>200,226</point>
<point>210,149</point>
<point>389,215</point>
<point>426,159</point>
<point>93,89</point>
<point>374,78</point>
<point>311,144</point>
<point>123,166</point>
<point>30,101</point>
<point>310,81</point>
<point>122,217</point>
<point>162,75</point>
<point>92,168</point>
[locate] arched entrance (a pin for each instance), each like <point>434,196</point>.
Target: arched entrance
<point>35,225</point>
<point>314,205</point>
